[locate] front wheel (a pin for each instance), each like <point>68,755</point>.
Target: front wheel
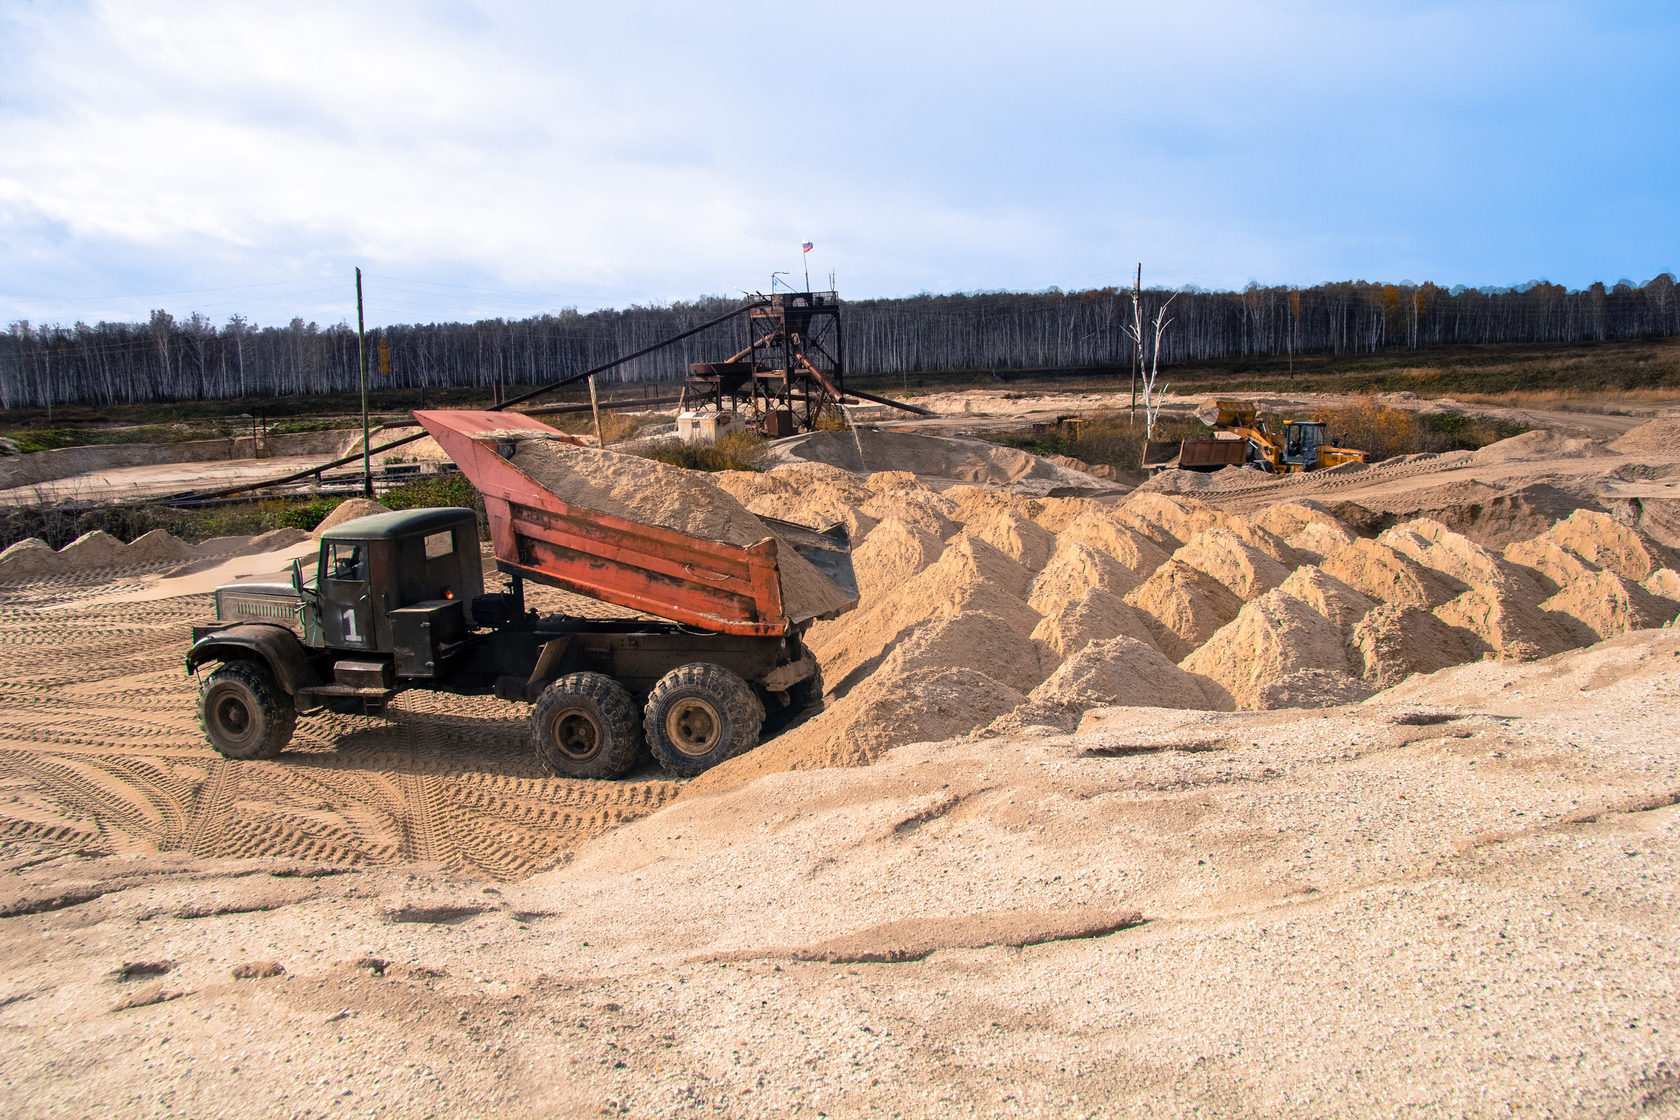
<point>585,727</point>
<point>698,715</point>
<point>244,711</point>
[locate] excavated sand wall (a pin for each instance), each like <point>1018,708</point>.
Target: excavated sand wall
<point>64,462</point>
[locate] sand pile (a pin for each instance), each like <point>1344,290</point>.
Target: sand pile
<point>1387,576</point>
<point>929,705</point>
<point>1179,519</point>
<point>1340,604</point>
<point>1119,671</point>
<point>1071,624</point>
<point>28,559</point>
<point>1025,542</point>
<point>96,551</point>
<point>930,456</point>
<point>1604,605</point>
<point>348,510</point>
<point>1658,437</point>
<point>653,493</point>
<point>1234,562</point>
<point>1396,640</point>
<point>1076,570</point>
<point>1538,445</point>
<point>891,553</point>
<point>1124,541</point>
<point>1184,606</point>
<point>1604,542</point>
<point>1032,611</point>
<point>970,576</point>
<point>808,494</point>
<point>1271,637</point>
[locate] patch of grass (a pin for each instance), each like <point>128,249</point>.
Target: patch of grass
<point>1106,438</point>
<point>1383,432</point>
<point>436,491</point>
<point>739,451</point>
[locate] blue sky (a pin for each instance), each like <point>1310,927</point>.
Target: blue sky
<point>508,159</point>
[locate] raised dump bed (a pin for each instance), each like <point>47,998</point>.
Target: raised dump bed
<point>724,587</point>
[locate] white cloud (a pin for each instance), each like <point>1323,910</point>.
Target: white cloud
<point>613,153</point>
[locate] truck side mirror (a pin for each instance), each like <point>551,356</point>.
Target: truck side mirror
<point>297,578</point>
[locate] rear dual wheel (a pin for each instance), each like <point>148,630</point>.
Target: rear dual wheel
<point>585,726</point>
<point>698,715</point>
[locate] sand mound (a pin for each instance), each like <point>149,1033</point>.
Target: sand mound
<point>973,640</point>
<point>1551,565</point>
<point>1119,671</point>
<point>1506,617</point>
<point>1658,437</point>
<point>1388,577</point>
<point>1320,540</point>
<point>157,547</point>
<point>348,510</point>
<point>1184,605</point>
<point>1312,688</point>
<point>969,577</point>
<point>1460,560</point>
<point>1076,570</point>
<point>1271,637</point>
<point>1604,605</point>
<point>1538,445</point>
<point>916,506</point>
<point>1234,562</point>
<point>28,559</point>
<point>97,549</point>
<point>1055,514</point>
<point>1607,543</point>
<point>1107,533</point>
<point>892,553</point>
<point>928,705</point>
<point>654,493</point>
<point>1288,518</point>
<point>842,482</point>
<point>930,456</point>
<point>1023,541</point>
<point>1180,518</point>
<point>1072,624</point>
<point>1664,584</point>
<point>813,502</point>
<point>970,502</point>
<point>1396,640</point>
<point>1340,604</point>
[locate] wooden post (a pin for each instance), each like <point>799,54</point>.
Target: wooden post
<point>595,407</point>
<point>361,360</point>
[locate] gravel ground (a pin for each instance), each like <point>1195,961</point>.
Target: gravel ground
<point>1457,898</point>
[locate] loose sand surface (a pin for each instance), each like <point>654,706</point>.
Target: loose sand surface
<point>1257,800</point>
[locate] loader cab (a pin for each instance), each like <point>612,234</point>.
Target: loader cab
<point>1302,440</point>
<point>395,583</point>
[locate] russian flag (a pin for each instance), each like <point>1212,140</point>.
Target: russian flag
<point>805,246</point>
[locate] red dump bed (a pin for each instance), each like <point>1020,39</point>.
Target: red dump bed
<point>1212,454</point>
<point>537,534</point>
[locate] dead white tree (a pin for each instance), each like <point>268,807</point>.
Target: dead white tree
<point>1149,359</point>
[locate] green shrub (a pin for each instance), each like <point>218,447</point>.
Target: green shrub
<point>739,451</point>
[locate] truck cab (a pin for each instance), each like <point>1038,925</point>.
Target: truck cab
<point>384,602</point>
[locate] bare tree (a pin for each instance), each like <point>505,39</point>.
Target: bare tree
<point>1150,359</point>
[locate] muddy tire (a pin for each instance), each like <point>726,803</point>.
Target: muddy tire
<point>698,715</point>
<point>244,712</point>
<point>585,726</point>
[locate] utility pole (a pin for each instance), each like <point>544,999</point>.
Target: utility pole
<point>1137,294</point>
<point>361,360</point>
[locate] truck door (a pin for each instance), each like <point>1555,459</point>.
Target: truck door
<point>346,601</point>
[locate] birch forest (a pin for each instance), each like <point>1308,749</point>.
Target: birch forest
<point>170,359</point>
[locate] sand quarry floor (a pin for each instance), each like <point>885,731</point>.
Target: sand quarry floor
<point>1402,840</point>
